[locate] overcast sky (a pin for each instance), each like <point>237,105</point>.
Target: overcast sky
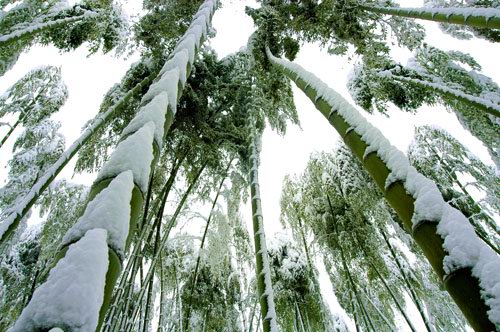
<point>88,79</point>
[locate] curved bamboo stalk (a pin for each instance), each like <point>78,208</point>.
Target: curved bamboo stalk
<point>262,271</point>
<point>379,159</point>
<point>474,17</point>
<point>148,130</point>
<point>34,29</point>
<point>473,101</point>
<point>11,130</point>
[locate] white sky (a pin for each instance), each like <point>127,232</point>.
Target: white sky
<point>88,79</point>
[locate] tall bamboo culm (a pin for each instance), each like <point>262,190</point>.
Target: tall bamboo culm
<point>263,271</point>
<point>377,156</point>
<point>116,198</point>
<point>474,17</point>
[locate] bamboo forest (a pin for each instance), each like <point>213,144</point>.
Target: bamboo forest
<point>249,165</point>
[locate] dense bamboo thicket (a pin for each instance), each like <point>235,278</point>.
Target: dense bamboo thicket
<point>371,238</point>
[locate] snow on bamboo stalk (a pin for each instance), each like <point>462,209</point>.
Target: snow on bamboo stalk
<point>466,260</point>
<point>485,105</point>
<point>116,196</point>
<point>264,284</point>
<point>474,17</point>
<point>9,224</point>
<point>84,266</point>
<point>39,27</point>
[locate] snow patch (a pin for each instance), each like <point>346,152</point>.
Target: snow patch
<point>109,210</point>
<point>72,296</point>
<point>135,153</point>
<point>155,111</point>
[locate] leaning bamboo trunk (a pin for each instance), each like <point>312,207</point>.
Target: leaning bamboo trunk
<point>474,17</point>
<point>262,271</point>
<point>35,29</point>
<point>116,197</point>
<point>473,101</point>
<point>417,201</point>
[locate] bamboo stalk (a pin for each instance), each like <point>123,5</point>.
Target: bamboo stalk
<point>473,17</point>
<point>264,285</point>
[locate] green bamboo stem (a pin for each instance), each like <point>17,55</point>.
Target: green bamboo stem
<point>393,296</point>
<point>262,271</point>
<point>359,243</point>
<point>461,284</point>
<point>252,315</point>
<point>354,314</point>
<point>312,271</point>
<point>11,130</point>
<point>131,269</point>
<point>157,224</point>
<point>34,29</point>
<point>443,15</point>
<point>22,117</point>
<point>300,318</point>
<point>115,261</point>
<point>473,101</point>
<point>161,315</point>
<point>150,282</point>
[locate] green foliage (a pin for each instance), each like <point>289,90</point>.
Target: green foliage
<point>18,271</point>
<point>93,155</point>
<point>107,29</point>
<point>61,205</point>
<point>36,96</point>
<point>169,20</point>
<point>335,24</point>
<point>295,293</point>
<point>372,88</point>
<point>372,91</point>
<point>36,149</point>
<point>335,205</point>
